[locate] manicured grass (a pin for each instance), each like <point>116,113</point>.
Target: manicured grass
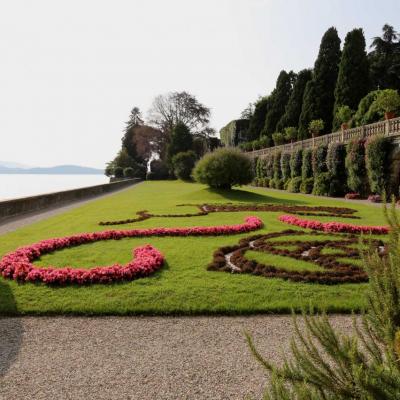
<point>183,285</point>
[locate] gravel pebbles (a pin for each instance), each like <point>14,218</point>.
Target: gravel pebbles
<point>139,357</point>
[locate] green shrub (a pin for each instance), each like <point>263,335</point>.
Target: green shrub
<point>278,184</point>
<point>285,166</point>
<point>294,185</point>
<point>158,170</point>
<point>278,138</point>
<point>295,163</point>
<point>277,166</point>
<point>357,179</point>
<point>139,170</point>
<point>335,162</point>
<point>363,114</point>
<point>388,100</point>
<point>259,168</point>
<point>129,172</point>
<point>271,183</point>
<point>306,167</point>
<point>322,183</point>
<point>224,168</point>
<point>269,166</point>
<point>344,114</point>
<point>265,182</point>
<point>118,172</point>
<point>316,126</point>
<point>286,184</point>
<point>183,164</point>
<point>377,157</point>
<point>307,185</point>
<point>319,159</point>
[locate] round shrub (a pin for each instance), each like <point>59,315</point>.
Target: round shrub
<point>295,163</point>
<point>158,170</point>
<point>139,170</point>
<point>322,184</point>
<point>118,172</point>
<point>306,167</point>
<point>277,166</point>
<point>376,158</point>
<point>183,164</point>
<point>285,166</point>
<point>224,168</point>
<point>319,159</point>
<point>129,172</point>
<point>357,179</point>
<point>294,185</point>
<point>307,185</point>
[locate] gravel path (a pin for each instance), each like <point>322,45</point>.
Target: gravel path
<point>139,357</point>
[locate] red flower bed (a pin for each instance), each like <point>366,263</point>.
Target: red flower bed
<point>19,265</point>
<point>332,226</point>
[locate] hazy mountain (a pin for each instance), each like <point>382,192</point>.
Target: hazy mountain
<point>11,164</point>
<point>57,170</point>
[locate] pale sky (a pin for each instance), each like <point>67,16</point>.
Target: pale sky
<point>70,71</point>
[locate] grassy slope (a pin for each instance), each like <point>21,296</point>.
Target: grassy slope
<point>183,286</point>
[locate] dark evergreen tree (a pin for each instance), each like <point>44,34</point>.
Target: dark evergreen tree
<point>385,60</point>
<point>293,107</point>
<point>128,142</point>
<point>353,78</point>
<point>181,140</point>
<point>319,94</point>
<point>279,99</point>
<point>257,120</point>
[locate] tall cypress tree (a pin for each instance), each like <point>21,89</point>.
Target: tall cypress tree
<point>293,107</point>
<point>258,118</point>
<point>319,95</point>
<point>181,140</point>
<point>280,97</point>
<point>353,78</point>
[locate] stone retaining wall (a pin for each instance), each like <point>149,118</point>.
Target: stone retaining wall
<point>16,207</point>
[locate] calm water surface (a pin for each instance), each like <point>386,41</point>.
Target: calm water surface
<point>14,186</point>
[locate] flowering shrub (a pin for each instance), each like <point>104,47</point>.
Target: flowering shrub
<point>332,226</point>
<point>352,196</point>
<point>18,265</point>
<point>375,198</point>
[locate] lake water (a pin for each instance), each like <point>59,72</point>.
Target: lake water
<point>14,186</point>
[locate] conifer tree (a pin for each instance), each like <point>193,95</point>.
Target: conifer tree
<point>279,99</point>
<point>257,120</point>
<point>181,140</point>
<point>319,94</point>
<point>353,78</point>
<point>293,107</point>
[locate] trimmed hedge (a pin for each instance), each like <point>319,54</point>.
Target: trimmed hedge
<point>285,166</point>
<point>357,179</point>
<point>306,168</point>
<point>295,163</point>
<point>319,160</point>
<point>307,185</point>
<point>335,162</point>
<point>277,166</point>
<point>294,185</point>
<point>376,158</point>
<point>322,184</point>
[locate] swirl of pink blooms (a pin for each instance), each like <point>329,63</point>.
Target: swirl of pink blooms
<point>19,266</point>
<point>333,226</point>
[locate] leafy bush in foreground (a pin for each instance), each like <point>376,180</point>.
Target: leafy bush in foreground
<point>224,168</point>
<point>366,366</point>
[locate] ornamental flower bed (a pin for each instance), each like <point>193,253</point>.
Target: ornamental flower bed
<point>333,226</point>
<point>19,266</point>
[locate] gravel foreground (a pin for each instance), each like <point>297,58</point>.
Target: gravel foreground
<point>140,357</point>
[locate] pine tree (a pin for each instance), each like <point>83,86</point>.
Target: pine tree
<point>280,97</point>
<point>319,94</point>
<point>365,366</point>
<point>353,78</point>
<point>135,120</point>
<point>257,120</point>
<point>293,107</point>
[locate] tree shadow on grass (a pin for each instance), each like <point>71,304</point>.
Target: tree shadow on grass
<point>11,329</point>
<point>249,197</point>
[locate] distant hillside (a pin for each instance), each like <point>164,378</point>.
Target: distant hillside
<point>57,170</point>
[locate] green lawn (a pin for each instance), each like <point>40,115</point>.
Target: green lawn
<point>183,285</point>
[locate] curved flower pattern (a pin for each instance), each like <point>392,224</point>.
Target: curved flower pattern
<point>19,265</point>
<point>333,226</point>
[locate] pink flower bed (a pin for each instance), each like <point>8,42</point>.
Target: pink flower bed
<point>332,226</point>
<point>18,265</point>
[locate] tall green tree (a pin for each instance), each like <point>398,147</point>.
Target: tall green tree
<point>319,95</point>
<point>353,78</point>
<point>128,140</point>
<point>181,140</point>
<point>293,107</point>
<point>257,120</point>
<point>385,59</point>
<point>280,97</point>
